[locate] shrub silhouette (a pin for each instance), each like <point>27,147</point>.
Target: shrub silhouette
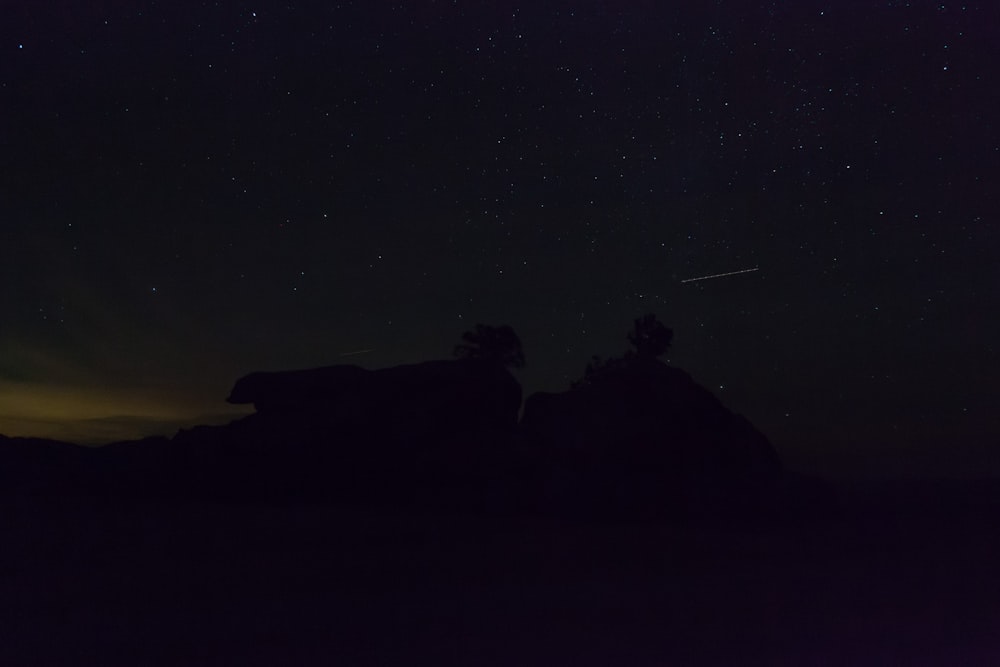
<point>649,338</point>
<point>497,344</point>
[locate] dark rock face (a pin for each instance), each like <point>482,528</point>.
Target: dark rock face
<point>645,436</point>
<point>429,397</point>
<point>345,431</point>
<point>639,440</point>
<point>286,390</point>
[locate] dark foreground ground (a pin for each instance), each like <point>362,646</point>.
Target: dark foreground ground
<point>893,578</point>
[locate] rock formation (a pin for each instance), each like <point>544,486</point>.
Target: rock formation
<point>395,431</point>
<point>644,435</point>
<point>636,438</point>
<point>430,398</point>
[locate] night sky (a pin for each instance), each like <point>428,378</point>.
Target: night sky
<point>191,191</point>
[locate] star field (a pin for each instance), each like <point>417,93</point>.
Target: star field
<point>195,190</point>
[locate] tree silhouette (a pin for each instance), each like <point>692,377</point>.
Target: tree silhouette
<point>649,338</point>
<point>498,344</point>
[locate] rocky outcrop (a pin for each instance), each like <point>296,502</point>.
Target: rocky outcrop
<point>638,439</point>
<point>400,431</point>
<point>289,390</point>
<point>432,397</point>
<point>645,435</point>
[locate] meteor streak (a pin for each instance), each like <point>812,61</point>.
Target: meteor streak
<point>351,354</point>
<point>719,275</point>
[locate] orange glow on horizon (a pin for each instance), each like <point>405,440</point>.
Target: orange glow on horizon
<point>93,415</point>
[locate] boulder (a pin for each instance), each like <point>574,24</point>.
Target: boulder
<point>645,435</point>
<point>451,395</point>
<point>399,431</point>
<point>443,395</point>
<point>288,390</point>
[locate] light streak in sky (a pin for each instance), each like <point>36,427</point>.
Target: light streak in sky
<point>719,275</point>
<point>351,354</point>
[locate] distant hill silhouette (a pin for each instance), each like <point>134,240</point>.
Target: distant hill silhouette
<point>31,466</point>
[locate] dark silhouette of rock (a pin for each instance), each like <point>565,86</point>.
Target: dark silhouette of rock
<point>635,437</point>
<point>285,390</point>
<point>432,397</point>
<point>343,430</point>
<point>641,436</point>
